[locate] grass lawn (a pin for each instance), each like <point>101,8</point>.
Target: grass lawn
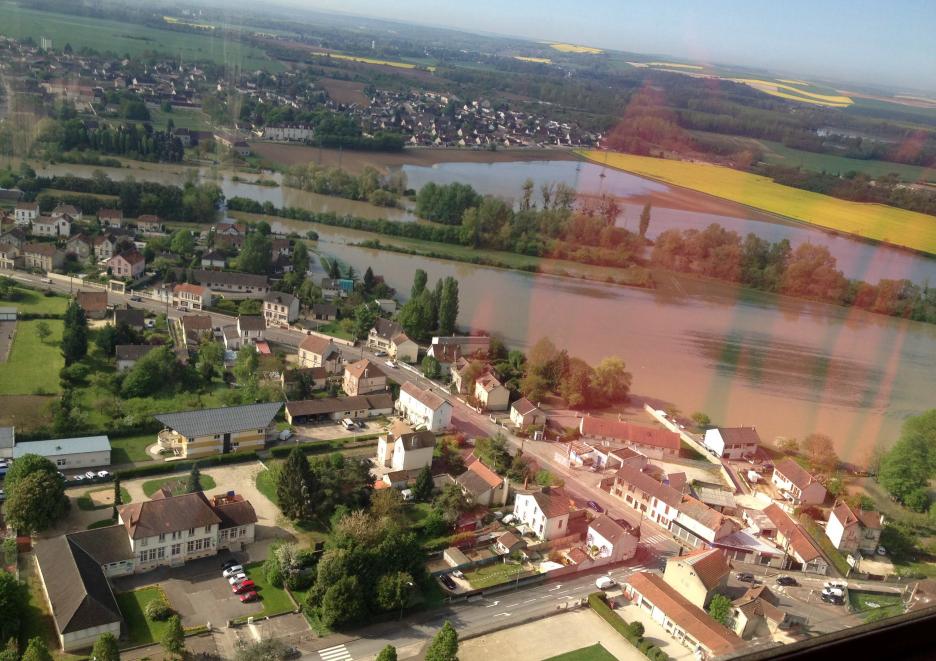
<point>274,600</point>
<point>334,329</point>
<point>140,630</point>
<point>871,221</point>
<point>131,448</point>
<point>594,653</point>
<point>309,532</point>
<point>122,38</point>
<point>183,118</point>
<point>30,300</point>
<point>86,503</point>
<point>103,523</point>
<point>33,367</point>
<point>495,574</point>
<point>824,543</point>
<point>873,606</point>
<point>265,484</point>
<point>176,484</point>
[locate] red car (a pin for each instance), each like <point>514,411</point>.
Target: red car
<point>248,596</point>
<point>243,586</point>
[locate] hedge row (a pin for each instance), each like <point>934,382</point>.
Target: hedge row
<point>186,465</point>
<point>321,447</point>
<point>27,316</point>
<point>596,600</point>
<point>150,425</point>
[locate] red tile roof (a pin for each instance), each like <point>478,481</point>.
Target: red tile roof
<point>710,565</point>
<point>320,346</point>
<point>635,476</point>
<point>797,538</point>
<point>92,301</point>
<point>631,433</point>
<point>794,473</point>
<point>687,616</point>
<point>189,288</point>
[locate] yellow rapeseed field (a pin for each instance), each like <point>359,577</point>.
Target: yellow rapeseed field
<point>870,221</point>
<point>789,92</point>
<point>538,60</point>
<point>572,48</point>
<point>369,60</point>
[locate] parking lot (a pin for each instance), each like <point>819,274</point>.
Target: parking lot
<point>197,591</point>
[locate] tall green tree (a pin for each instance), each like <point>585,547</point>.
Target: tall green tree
<point>27,465</point>
<point>37,650</point>
<point>444,647</point>
<point>394,590</point>
<point>368,279</point>
<point>364,317</point>
<point>388,653</point>
<point>14,603</point>
<point>612,381</point>
<point>644,220</point>
<point>343,603</point>
<point>448,306</point>
<point>182,243</point>
<point>193,483</point>
<point>300,258</point>
<point>422,489</point>
<point>294,486</point>
<point>420,278</point>
<point>257,254</point>
<point>210,360</point>
<point>35,502</point>
<point>173,638</point>
<point>430,367</point>
<point>720,609</point>
<point>910,464</point>
<point>105,648</point>
<point>75,334</point>
<point>118,498</point>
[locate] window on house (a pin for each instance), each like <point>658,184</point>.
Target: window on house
<point>207,528</point>
<point>176,549</point>
<point>191,532</point>
<point>162,537</point>
<point>144,542</point>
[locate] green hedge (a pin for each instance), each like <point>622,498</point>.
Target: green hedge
<point>162,468</point>
<point>596,600</point>
<point>320,447</point>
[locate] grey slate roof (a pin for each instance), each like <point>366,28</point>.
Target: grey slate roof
<point>106,545</point>
<point>60,446</point>
<point>80,595</point>
<point>225,420</point>
<point>132,351</point>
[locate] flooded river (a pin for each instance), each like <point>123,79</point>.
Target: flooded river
<point>789,367</point>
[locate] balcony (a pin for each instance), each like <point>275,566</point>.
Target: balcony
<point>169,440</point>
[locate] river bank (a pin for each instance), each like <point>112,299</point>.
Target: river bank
<point>355,161</point>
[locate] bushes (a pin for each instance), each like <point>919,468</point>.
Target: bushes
<point>158,609</point>
<point>632,632</point>
<point>320,447</point>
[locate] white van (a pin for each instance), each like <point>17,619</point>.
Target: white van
<point>605,583</point>
<point>348,424</point>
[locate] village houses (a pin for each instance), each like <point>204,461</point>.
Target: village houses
<point>424,408</point>
<point>280,309</point>
<point>362,378</point>
<point>318,351</point>
<point>796,484</point>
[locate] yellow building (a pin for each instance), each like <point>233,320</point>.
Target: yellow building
<point>217,431</point>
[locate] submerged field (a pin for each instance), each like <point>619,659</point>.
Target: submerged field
<point>870,221</point>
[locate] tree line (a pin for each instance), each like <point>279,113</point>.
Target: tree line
<point>137,141</point>
<point>368,186</point>
<point>430,311</point>
<point>808,271</point>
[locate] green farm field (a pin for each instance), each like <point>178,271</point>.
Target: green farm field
<point>33,366</point>
<point>778,154</point>
<point>123,38</point>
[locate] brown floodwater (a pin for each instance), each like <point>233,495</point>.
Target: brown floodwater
<point>787,366</point>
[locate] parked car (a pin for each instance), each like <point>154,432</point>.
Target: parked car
<point>390,363</point>
<point>77,478</point>
<point>841,585</point>
<point>243,586</point>
<point>745,577</point>
<point>285,435</point>
<point>234,579</point>
<point>881,550</point>
<point>605,583</point>
<point>447,581</point>
<point>833,599</point>
<point>136,299</point>
<point>457,573</point>
<point>91,475</point>
<point>510,518</point>
<point>103,475</point>
<point>786,580</point>
<point>149,323</point>
<point>380,354</point>
<point>595,506</point>
<point>227,564</point>
<point>248,596</point>
<point>292,653</point>
<point>233,569</point>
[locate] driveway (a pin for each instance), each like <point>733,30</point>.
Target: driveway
<point>196,591</point>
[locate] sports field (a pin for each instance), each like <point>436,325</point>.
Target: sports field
<point>870,221</point>
<point>34,364</point>
<point>127,38</point>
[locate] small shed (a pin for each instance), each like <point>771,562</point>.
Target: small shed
<point>7,314</point>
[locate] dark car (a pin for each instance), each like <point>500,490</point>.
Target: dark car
<point>786,580</point>
<point>745,577</point>
<point>447,581</point>
<point>595,506</point>
<point>832,599</point>
<point>229,563</point>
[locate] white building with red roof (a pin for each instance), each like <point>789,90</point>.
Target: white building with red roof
<point>653,442</point>
<point>424,408</point>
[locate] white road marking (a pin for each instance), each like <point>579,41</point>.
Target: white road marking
<point>553,589</point>
<point>504,614</point>
<point>492,604</point>
<point>336,653</point>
